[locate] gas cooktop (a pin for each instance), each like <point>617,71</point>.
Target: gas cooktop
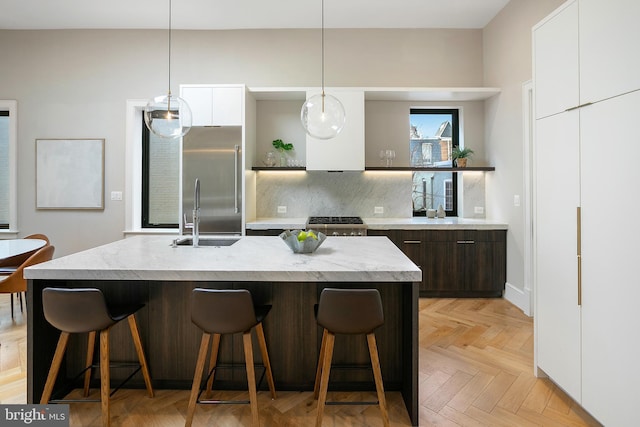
<point>331,220</point>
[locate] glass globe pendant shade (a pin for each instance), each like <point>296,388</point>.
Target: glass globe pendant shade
<point>323,116</point>
<point>168,116</point>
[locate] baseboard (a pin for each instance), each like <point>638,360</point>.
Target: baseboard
<point>518,297</point>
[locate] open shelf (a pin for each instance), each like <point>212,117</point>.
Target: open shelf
<point>431,169</point>
<point>278,168</point>
<point>395,168</point>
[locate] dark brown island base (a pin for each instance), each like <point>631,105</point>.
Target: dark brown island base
<point>149,270</point>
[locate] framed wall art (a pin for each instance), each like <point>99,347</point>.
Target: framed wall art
<point>70,173</point>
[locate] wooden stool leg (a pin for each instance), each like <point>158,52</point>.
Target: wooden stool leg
<point>251,378</point>
<point>197,377</point>
<point>12,306</point>
<point>135,334</point>
<point>105,380</point>
<point>55,367</point>
<point>377,375</point>
<point>326,371</point>
<point>213,361</point>
<point>90,348</point>
<point>265,358</point>
<point>316,386</point>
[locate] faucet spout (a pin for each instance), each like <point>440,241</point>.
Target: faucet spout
<point>196,214</point>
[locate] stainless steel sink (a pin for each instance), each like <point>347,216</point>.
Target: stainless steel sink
<point>203,241</point>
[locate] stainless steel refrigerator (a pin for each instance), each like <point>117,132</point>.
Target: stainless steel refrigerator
<point>212,155</point>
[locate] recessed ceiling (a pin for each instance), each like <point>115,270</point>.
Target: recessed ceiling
<point>246,14</point>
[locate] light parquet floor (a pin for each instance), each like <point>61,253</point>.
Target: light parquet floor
<point>475,369</point>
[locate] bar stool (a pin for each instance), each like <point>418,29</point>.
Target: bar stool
<point>348,311</point>
<point>220,312</point>
<point>84,310</point>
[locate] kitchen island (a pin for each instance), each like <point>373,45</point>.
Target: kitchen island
<point>149,270</point>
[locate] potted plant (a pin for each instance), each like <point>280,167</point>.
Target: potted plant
<point>460,155</point>
<point>282,148</point>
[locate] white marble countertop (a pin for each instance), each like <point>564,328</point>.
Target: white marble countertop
<point>424,223</point>
<point>415,223</point>
<point>252,258</point>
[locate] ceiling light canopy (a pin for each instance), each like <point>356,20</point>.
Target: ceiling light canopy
<point>322,115</point>
<point>168,116</point>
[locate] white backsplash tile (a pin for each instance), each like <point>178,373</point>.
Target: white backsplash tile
<point>348,193</point>
<point>473,195</point>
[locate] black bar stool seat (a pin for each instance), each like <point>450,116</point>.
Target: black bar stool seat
<point>228,311</point>
<point>85,310</point>
<point>348,311</point>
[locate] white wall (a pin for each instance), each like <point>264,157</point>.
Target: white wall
<point>507,64</point>
<point>75,83</point>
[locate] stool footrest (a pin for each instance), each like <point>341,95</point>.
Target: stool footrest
<point>238,366</point>
<point>69,386</point>
<point>230,402</point>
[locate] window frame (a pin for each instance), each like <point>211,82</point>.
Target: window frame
<point>455,113</point>
<point>12,107</point>
<point>144,219</point>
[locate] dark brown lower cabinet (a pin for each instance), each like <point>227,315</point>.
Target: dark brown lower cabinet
<point>455,263</point>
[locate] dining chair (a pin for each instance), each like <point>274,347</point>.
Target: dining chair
<point>15,282</point>
<point>9,265</point>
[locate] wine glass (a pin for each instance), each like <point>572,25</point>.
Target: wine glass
<point>391,154</point>
<point>383,157</point>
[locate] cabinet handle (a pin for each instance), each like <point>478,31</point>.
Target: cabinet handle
<point>579,252</point>
<point>466,242</point>
<point>586,104</point>
<point>236,202</point>
<point>412,242</point>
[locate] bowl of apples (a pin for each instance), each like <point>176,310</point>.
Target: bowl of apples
<point>302,241</point>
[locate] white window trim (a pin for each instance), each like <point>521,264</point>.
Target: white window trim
<point>12,107</point>
<point>133,172</point>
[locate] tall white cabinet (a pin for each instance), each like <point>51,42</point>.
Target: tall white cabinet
<point>587,98</point>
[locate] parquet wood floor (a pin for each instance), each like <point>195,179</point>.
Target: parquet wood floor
<point>476,369</point>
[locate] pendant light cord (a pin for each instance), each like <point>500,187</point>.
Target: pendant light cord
<point>169,49</point>
<point>322,44</point>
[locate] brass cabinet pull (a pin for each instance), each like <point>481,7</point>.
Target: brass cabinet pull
<point>586,104</point>
<point>412,242</point>
<point>579,252</point>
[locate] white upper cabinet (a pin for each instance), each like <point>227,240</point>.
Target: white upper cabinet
<point>214,105</point>
<point>555,52</point>
<point>609,60</point>
<point>345,152</point>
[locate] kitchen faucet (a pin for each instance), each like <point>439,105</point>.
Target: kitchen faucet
<point>196,214</point>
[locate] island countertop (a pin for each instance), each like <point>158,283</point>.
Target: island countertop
<point>252,258</point>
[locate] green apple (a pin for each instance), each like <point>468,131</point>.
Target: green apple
<point>312,235</point>
<point>302,236</point>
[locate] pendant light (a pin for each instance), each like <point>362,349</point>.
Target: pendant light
<point>168,116</point>
<point>323,115</point>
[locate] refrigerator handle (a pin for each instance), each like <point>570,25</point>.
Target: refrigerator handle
<point>236,151</point>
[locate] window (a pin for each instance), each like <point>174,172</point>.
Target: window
<point>433,133</point>
<point>4,169</point>
<point>160,180</point>
<point>8,163</point>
